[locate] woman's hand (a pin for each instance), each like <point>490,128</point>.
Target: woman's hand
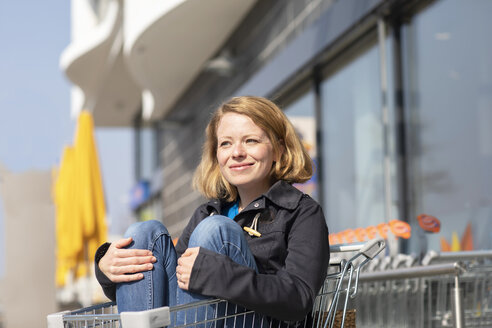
<point>122,265</point>
<point>185,265</point>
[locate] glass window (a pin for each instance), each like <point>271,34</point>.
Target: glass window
<point>448,93</point>
<point>147,158</point>
<point>302,115</point>
<point>353,144</point>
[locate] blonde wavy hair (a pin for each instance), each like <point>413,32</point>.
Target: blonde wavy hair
<point>294,164</point>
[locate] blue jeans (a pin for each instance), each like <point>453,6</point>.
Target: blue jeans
<point>159,286</point>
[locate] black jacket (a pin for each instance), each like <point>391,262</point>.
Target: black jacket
<point>292,256</point>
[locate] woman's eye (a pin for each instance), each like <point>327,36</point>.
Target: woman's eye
<point>251,141</point>
<point>224,143</point>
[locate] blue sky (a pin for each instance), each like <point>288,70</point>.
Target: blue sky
<point>35,121</point>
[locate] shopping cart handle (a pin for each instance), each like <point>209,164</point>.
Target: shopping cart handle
<point>55,320</point>
<point>146,319</point>
<point>373,247</point>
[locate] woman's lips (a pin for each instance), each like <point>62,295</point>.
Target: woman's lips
<point>239,167</point>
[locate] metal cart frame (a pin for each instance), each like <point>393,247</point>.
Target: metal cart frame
<point>330,306</point>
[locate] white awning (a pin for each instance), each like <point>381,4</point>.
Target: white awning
<point>147,55</point>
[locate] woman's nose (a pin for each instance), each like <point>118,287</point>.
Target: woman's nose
<point>238,150</point>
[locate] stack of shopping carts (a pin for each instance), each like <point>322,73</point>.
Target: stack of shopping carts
<point>452,289</point>
<point>331,307</point>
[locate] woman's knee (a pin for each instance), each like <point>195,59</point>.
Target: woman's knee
<point>142,232</point>
<point>213,227</point>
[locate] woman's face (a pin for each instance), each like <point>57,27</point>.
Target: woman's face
<point>245,154</point>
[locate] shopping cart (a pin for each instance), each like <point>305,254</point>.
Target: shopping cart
<point>450,289</point>
<point>330,306</point>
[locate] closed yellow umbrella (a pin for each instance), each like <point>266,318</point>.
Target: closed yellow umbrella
<point>79,199</point>
<point>89,190</point>
<point>89,176</point>
<point>69,235</point>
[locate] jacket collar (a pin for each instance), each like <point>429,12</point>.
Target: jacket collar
<point>281,193</point>
<point>284,195</point>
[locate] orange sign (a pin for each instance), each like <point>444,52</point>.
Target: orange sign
<point>398,228</point>
<point>429,223</point>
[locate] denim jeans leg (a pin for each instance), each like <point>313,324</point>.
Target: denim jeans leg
<point>224,236</point>
<point>158,287</point>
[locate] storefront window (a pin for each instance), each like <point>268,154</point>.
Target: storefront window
<point>448,95</point>
<point>353,144</point>
<point>148,152</point>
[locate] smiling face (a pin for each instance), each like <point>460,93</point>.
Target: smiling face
<point>244,153</point>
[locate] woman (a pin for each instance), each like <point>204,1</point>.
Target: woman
<point>259,242</point>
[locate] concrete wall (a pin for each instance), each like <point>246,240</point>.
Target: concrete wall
<point>27,292</point>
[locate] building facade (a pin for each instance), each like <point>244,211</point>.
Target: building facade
<point>392,98</point>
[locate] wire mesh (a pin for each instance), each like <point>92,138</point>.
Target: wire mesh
<point>332,306</point>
